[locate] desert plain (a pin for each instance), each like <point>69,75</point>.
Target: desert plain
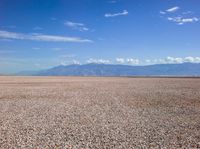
<point>99,112</point>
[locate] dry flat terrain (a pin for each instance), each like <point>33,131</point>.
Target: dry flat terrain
<point>93,112</point>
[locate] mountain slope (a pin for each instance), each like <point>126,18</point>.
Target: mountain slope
<point>185,69</point>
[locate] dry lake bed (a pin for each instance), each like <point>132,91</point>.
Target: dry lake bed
<point>99,112</point>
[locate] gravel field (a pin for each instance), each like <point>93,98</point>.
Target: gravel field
<point>99,112</point>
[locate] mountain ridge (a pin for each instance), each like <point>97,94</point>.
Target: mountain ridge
<point>92,69</point>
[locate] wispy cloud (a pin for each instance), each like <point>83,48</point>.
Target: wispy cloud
<point>40,37</point>
<point>57,49</point>
<point>170,10</point>
<point>78,26</point>
<point>183,17</point>
<point>68,59</point>
<point>37,28</point>
<point>162,12</point>
<point>67,56</point>
<point>113,1</point>
<point>1,39</point>
<point>173,9</point>
<point>181,20</point>
<point>11,26</point>
<point>36,48</point>
<point>187,12</point>
<point>6,51</point>
<point>69,62</point>
<point>124,13</point>
<point>53,19</point>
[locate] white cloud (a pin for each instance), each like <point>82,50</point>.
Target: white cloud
<point>173,60</point>
<point>120,60</point>
<point>63,63</point>
<point>98,61</point>
<point>191,59</point>
<point>125,12</point>
<point>40,37</point>
<point>148,61</point>
<point>197,59</point>
<point>162,12</point>
<point>132,61</point>
<point>181,20</point>
<point>173,9</point>
<point>77,26</point>
<point>187,20</point>
<point>170,10</point>
<point>129,61</point>
<point>75,62</point>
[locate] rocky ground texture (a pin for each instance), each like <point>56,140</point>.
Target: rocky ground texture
<point>99,113</point>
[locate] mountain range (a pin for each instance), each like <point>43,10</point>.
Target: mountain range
<point>93,69</point>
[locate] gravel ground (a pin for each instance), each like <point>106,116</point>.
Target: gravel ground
<point>97,113</point>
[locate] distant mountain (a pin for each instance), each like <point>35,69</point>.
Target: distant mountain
<point>185,69</point>
<point>27,73</point>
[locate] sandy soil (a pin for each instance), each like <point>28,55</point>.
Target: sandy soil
<point>92,112</point>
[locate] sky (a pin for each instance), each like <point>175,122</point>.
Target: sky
<point>36,35</point>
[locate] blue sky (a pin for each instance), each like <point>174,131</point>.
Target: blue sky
<point>37,34</point>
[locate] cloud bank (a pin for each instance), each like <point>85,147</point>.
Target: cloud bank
<point>176,60</point>
<point>135,61</point>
